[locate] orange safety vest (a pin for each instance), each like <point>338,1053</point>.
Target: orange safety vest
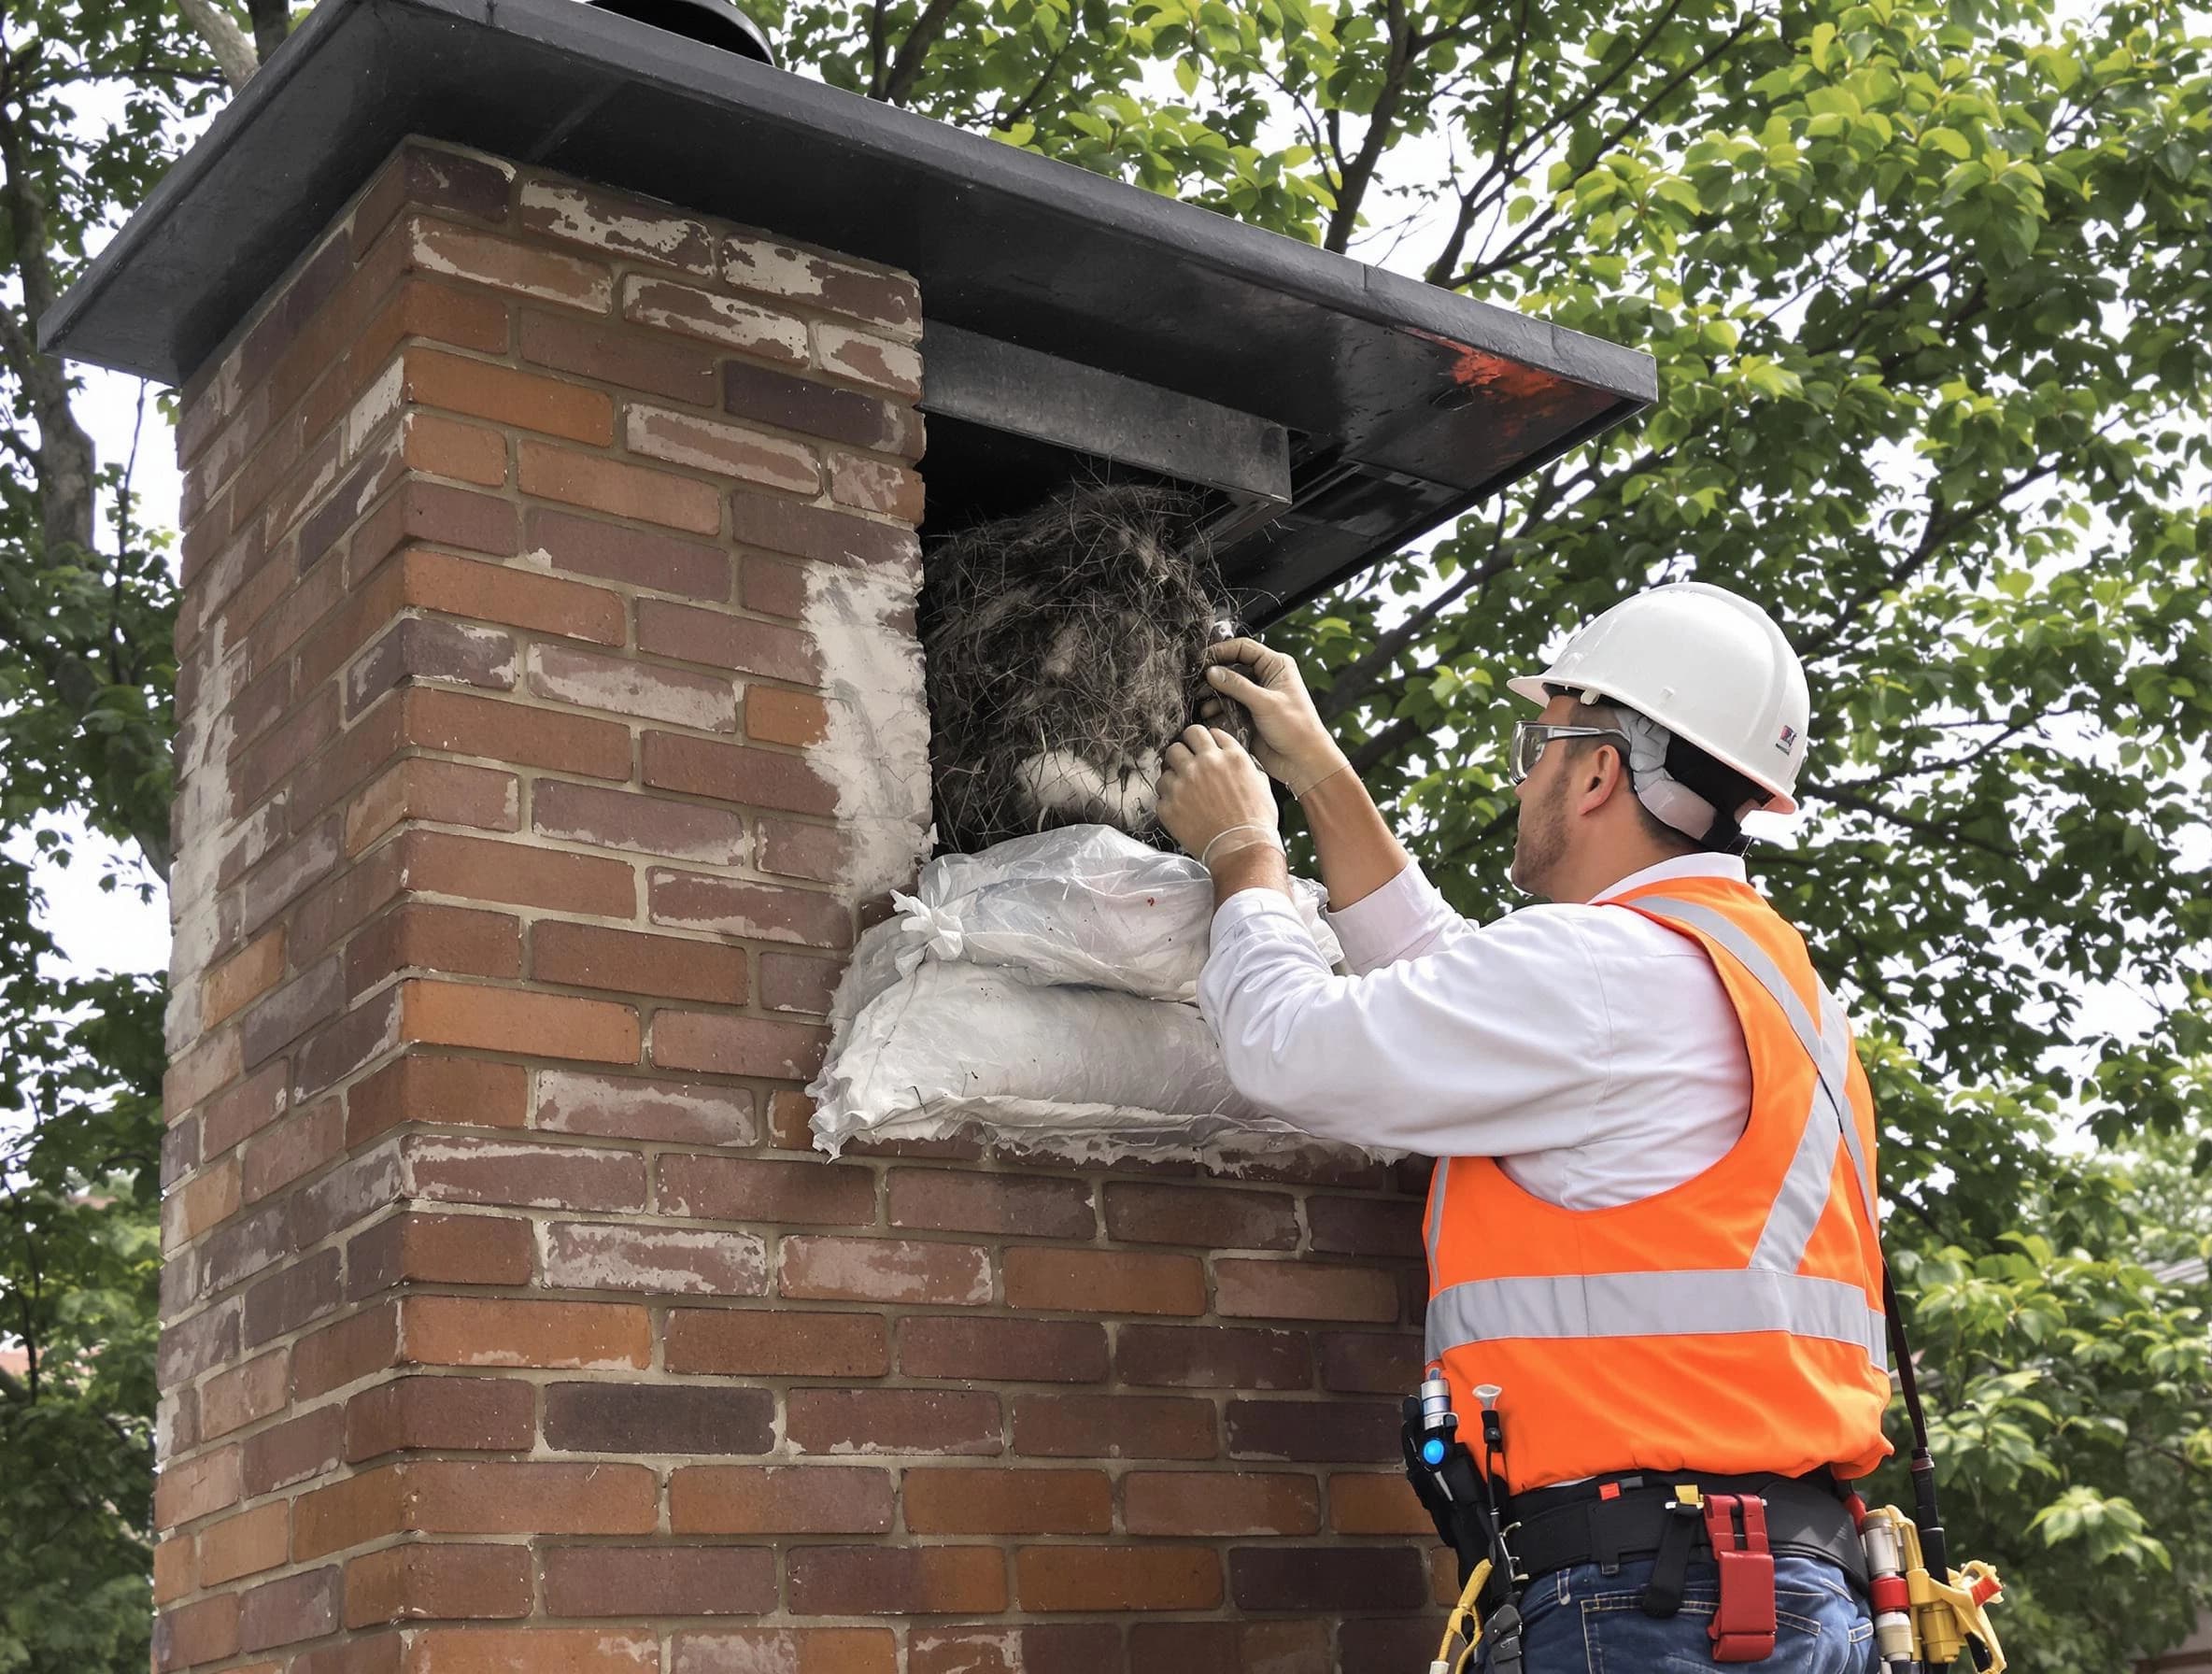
<point>1732,1324</point>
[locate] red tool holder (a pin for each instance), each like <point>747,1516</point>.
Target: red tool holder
<point>1742,1629</point>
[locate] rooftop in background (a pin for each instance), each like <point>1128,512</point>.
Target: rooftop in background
<point>1357,408</point>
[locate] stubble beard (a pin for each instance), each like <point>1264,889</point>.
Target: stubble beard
<point>1539,841</point>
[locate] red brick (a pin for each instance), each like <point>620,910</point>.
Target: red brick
<point>1303,1290</point>
<point>424,175</point>
<point>876,295</point>
<point>758,911</point>
<point>1037,1648</point>
<point>618,355</point>
<point>875,485</point>
<point>345,1353</point>
<point>791,982</point>
<point>790,1119</point>
<point>466,725</point>
<point>430,512</point>
<point>196,1487</point>
<point>246,1544</point>
<point>431,1087</point>
<point>423,649</point>
<point>443,446</point>
<point>894,368</point>
<point>208,1197</point>
<point>605,220</point>
<point>1373,1505</point>
<point>1213,1358</point>
<point>588,956</point>
<point>1004,1351</point>
<point>829,537</point>
<point>264,765</point>
<point>504,396</point>
<point>340,1048</point>
<point>962,1200</point>
<point>624,820</point>
<point>244,1395</point>
<point>1370,1363</point>
<point>657,1581</point>
<point>885,1269</point>
<point>425,936</point>
<point>287,1610</point>
<point>488,592</point>
<point>1146,1212</point>
<point>664,1261</point>
<point>761,333</point>
<point>449,1580</point>
<point>766,396</point>
<point>296,1450</point>
<point>877,1581</point>
<point>779,1499</point>
<point>473,1331</point>
<point>1304,1432</point>
<point>203,1631</point>
<point>293,1149</point>
<point>1219,1502</point>
<point>513,1497</point>
<point>736,1188</point>
<point>624,686</point>
<point>725,450</point>
<point>413,1248</point>
<point>680,1112</point>
<point>776,716</point>
<point>247,974</point>
<point>479,869</point>
<point>999,1501</point>
<point>192,1346</point>
<point>723,641</point>
<point>1327,1579</point>
<point>1117,1578</point>
<point>292,1296</point>
<point>483,259</point>
<point>1103,1281</point>
<point>785,1650</point>
<point>725,1046</point>
<point>600,484</point>
<point>815,853</point>
<point>1113,1427</point>
<point>893,1421</point>
<point>774,586</point>
<point>733,773</point>
<point>532,1650</point>
<point>440,1414</point>
<point>758,1343</point>
<point>175,1570</point>
<point>1386,1226</point>
<point>279,1018</point>
<point>643,1418</point>
<point>506,1020</point>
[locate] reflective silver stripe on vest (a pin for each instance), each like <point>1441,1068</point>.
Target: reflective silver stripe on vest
<point>1835,1026</point>
<point>1435,1234</point>
<point>1723,1302</point>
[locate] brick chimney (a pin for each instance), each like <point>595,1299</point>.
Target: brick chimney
<point>550,714</point>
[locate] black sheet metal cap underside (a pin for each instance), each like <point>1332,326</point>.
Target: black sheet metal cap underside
<point>1400,404</point>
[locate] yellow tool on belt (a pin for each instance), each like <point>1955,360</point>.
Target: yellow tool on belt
<point>1465,1622</point>
<point>1918,1621</point>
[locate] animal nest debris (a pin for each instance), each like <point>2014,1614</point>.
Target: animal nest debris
<point>1064,650</point>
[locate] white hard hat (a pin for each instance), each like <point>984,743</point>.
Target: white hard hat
<point>1707,664</point>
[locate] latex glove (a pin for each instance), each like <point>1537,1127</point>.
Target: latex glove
<point>1293,744</point>
<point>1214,800</point>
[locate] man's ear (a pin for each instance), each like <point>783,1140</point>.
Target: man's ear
<point>1602,772</point>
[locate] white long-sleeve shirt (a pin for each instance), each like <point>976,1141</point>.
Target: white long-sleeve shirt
<point>1590,1050</point>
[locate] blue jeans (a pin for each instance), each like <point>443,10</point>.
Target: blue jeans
<point>1580,1621</point>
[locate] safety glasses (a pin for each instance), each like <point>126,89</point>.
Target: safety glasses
<point>1530,737</point>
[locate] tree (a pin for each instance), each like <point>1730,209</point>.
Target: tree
<point>1925,288</point>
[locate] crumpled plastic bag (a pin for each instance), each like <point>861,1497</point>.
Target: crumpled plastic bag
<point>1041,991</point>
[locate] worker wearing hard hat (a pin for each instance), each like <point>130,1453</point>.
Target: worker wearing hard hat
<point>1651,1230</point>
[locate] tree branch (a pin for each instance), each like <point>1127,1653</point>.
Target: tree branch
<point>234,53</point>
<point>906,68</point>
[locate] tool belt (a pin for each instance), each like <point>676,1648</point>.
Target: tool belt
<point>1612,1520</point>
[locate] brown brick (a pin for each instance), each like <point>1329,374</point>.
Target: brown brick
<point>513,1497</point>
<point>426,936</point>
<point>1103,1281</point>
<point>761,333</point>
<point>723,641</point>
<point>443,446</point>
<point>243,1109</point>
<point>438,1249</point>
<point>421,510</point>
<point>779,1499</point>
<point>893,1421</point>
<point>440,1414</point>
<point>791,403</point>
<point>998,1502</point>
<point>1373,1505</point>
<point>532,1174</point>
<point>292,1296</point>
<point>875,485</point>
<point>624,686</point>
<point>1303,1290</point>
<point>607,221</point>
<point>791,850</point>
<point>196,1487</point>
<point>1004,1351</point>
<point>732,1188</point>
<point>483,258</point>
<point>1147,1212</point>
<point>1037,1648</point>
<point>878,296</point>
<point>488,592</point>
<point>630,359</point>
<point>423,649</point>
<point>285,1612</point>
<point>472,1331</point>
<point>467,725</point>
<point>657,1581</point>
<point>293,1149</point>
<point>424,175</point>
<point>1219,1502</point>
<point>1117,1578</point>
<point>246,1544</point>
<point>505,1020</point>
<point>1386,1226</point>
<point>895,368</point>
<point>338,1049</point>
<point>725,450</point>
<point>960,1201</point>
<point>479,868</point>
<point>432,1088</point>
<point>175,1570</point>
<point>208,1197</point>
<point>246,976</point>
<point>267,890</point>
<point>646,1419</point>
<point>751,1342</point>
<point>202,1632</point>
<point>192,1346</point>
<point>791,982</point>
<point>662,1260</point>
<point>450,1581</point>
<point>1304,1432</point>
<point>283,747</point>
<point>829,537</point>
<point>785,1650</point>
<point>624,820</point>
<point>244,1395</point>
<point>588,956</point>
<point>345,1352</point>
<point>600,484</point>
<point>758,911</point>
<point>1327,1579</point>
<point>296,1450</point>
<point>790,1119</point>
<point>504,396</point>
<point>680,1112</point>
<point>1114,1427</point>
<point>733,773</point>
<point>279,1018</point>
<point>725,1046</point>
<point>776,716</point>
<point>1370,1363</point>
<point>774,586</point>
<point>877,1581</point>
<point>885,1269</point>
<point>532,1650</point>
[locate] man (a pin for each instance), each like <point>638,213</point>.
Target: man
<point>1652,1224</point>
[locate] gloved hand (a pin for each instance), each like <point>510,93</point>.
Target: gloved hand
<point>1293,744</point>
<point>1213,799</point>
